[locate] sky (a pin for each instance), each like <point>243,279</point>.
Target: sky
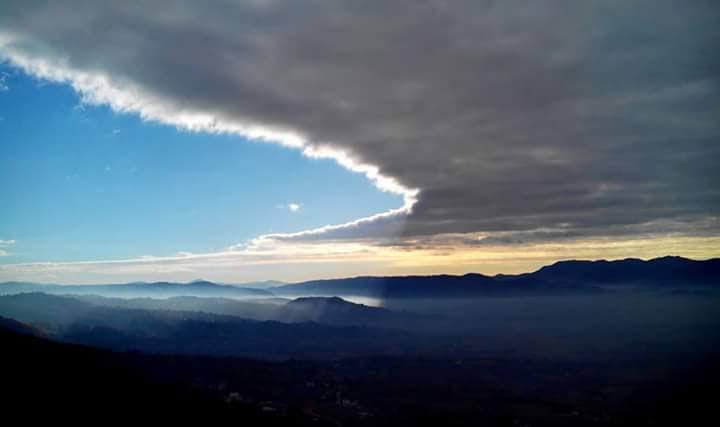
<point>102,185</point>
<point>263,140</point>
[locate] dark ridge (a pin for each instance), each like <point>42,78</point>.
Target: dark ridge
<point>664,270</point>
<point>563,277</point>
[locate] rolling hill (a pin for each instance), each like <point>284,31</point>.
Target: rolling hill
<point>198,288</point>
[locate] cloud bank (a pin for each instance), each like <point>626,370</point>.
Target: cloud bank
<point>498,122</point>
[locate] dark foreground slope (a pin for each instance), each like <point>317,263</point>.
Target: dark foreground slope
<point>80,384</point>
<point>42,380</point>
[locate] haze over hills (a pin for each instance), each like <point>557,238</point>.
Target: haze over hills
<point>508,344</point>
<point>253,308</point>
<point>337,311</point>
<point>198,288</point>
<point>325,310</point>
<point>561,278</point>
<point>197,331</point>
<point>546,312</point>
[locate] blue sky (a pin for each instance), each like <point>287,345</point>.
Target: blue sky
<point>81,182</point>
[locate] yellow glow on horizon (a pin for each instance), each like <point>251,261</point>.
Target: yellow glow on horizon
<point>294,261</point>
<point>527,258</point>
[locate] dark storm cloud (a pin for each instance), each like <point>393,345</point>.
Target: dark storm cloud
<point>512,117</point>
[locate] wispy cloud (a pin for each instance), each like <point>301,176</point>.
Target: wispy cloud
<point>292,206</point>
<point>3,82</point>
<point>5,244</point>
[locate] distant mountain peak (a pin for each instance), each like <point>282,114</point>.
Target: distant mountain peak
<point>201,282</point>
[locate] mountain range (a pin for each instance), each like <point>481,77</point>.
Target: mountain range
<point>564,277</point>
<point>198,288</point>
<point>572,308</point>
<point>199,331</point>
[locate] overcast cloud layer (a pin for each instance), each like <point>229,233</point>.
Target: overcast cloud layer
<point>516,120</point>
